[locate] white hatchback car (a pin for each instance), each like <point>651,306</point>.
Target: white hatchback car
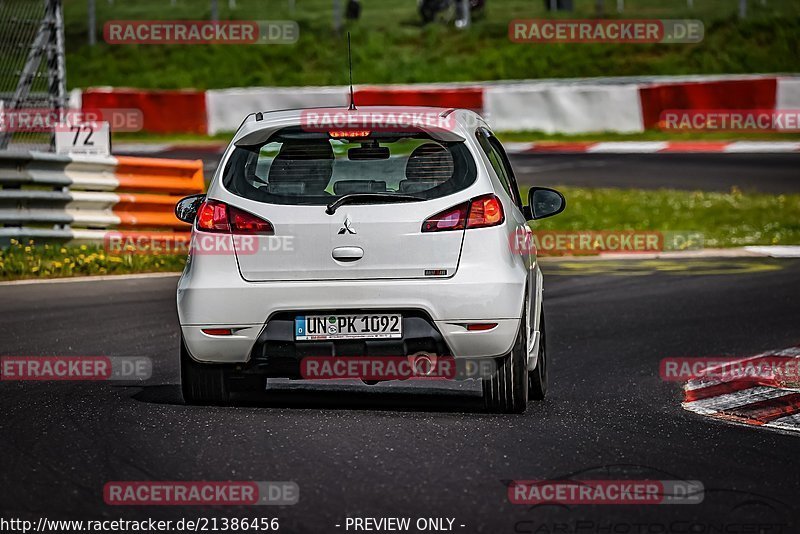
<point>374,233</point>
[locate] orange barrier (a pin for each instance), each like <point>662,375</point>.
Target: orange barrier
<point>148,211</point>
<point>158,185</point>
<point>159,175</point>
<point>90,197</point>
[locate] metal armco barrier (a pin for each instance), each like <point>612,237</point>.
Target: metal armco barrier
<point>85,198</point>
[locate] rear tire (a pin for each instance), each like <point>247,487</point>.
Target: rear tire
<point>506,391</point>
<point>537,379</point>
<point>203,383</point>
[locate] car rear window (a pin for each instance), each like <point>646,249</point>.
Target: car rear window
<point>296,167</point>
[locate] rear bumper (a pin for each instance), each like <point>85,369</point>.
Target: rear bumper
<point>275,352</point>
<point>206,301</point>
<point>252,344</point>
<point>251,303</point>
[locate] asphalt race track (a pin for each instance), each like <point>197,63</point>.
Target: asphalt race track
<point>401,450</point>
<point>767,173</point>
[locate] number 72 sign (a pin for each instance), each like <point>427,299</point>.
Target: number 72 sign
<point>91,138</point>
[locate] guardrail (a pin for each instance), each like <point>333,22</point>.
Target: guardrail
<point>85,198</point>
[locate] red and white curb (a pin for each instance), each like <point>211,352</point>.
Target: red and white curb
<point>651,147</point>
<point>764,401</point>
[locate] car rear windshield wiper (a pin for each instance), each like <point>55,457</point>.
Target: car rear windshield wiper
<point>369,198</point>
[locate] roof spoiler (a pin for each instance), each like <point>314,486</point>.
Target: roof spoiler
<point>438,125</point>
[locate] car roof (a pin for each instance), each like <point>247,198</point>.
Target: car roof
<point>297,112</point>
<point>259,126</point>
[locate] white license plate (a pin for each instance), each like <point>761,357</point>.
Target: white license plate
<point>367,326</point>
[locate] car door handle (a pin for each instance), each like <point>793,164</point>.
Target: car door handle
<point>348,253</point>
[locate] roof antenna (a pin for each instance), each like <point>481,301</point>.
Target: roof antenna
<point>350,64</point>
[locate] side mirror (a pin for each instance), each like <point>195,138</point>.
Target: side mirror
<point>186,208</point>
<point>544,202</point>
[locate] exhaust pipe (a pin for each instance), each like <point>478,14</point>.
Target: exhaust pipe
<point>423,363</point>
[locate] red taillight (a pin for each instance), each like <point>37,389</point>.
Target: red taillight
<point>213,217</point>
<point>450,219</point>
<point>247,223</point>
<point>479,327</point>
<point>479,212</point>
<point>485,211</point>
<point>218,217</point>
<point>218,331</point>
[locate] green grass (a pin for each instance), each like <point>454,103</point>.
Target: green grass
<point>149,137</point>
<point>724,219</point>
<point>391,46</point>
<point>51,260</point>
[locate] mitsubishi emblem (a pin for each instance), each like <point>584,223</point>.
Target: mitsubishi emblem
<point>346,229</point>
